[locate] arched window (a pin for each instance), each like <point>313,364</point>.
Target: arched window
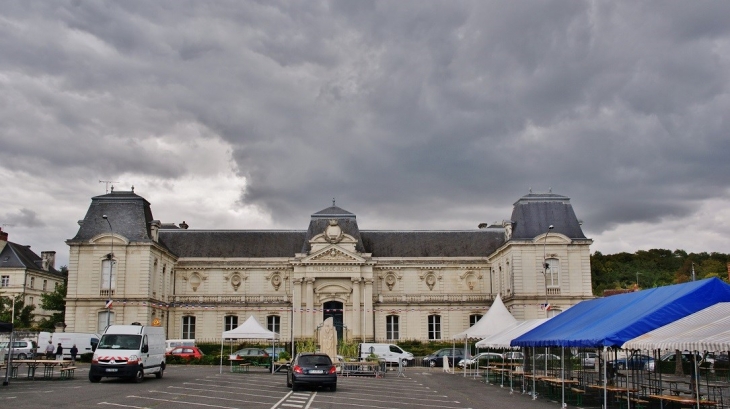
<point>273,323</point>
<point>392,324</point>
<point>107,278</point>
<point>434,327</point>
<point>188,327</point>
<point>230,322</point>
<point>552,272</point>
<point>101,320</point>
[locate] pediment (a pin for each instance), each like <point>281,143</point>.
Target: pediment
<point>333,253</point>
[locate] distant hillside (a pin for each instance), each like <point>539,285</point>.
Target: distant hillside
<point>655,268</point>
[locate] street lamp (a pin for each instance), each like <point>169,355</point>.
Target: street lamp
<point>12,313</point>
<point>545,266</point>
<point>109,257</point>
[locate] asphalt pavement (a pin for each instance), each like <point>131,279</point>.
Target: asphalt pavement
<point>204,387</point>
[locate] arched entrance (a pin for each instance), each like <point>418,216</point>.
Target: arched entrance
<point>334,309</point>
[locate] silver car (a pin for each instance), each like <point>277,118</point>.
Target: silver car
<point>23,349</point>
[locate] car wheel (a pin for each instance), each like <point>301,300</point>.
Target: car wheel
<point>94,378</point>
<point>333,388</point>
<point>161,372</point>
<point>288,382</point>
<point>140,375</point>
<point>22,356</point>
<point>294,387</point>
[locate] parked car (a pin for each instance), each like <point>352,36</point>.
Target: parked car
<point>436,359</point>
<point>186,352</point>
<point>481,359</point>
<point>549,357</point>
<point>248,352</point>
<point>311,369</point>
<point>686,359</point>
<point>633,361</point>
<point>274,353</point>
<point>22,349</point>
<point>513,356</point>
<point>587,359</point>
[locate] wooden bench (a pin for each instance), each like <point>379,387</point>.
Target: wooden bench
<point>578,394</point>
<point>67,372</point>
<point>241,368</point>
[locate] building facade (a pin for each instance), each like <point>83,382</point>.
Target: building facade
<point>377,285</point>
<point>25,275</point>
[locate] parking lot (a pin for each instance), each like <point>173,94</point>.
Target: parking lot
<point>203,387</point>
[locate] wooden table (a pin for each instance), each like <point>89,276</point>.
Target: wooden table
<point>33,364</point>
<point>682,401</point>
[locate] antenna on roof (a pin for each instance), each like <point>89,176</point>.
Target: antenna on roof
<point>107,183</point>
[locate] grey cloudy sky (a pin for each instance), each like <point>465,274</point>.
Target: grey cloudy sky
<point>412,114</point>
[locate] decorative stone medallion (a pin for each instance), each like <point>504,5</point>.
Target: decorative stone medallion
<point>333,232</point>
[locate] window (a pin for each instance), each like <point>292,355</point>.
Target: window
<point>188,327</point>
<point>230,322</point>
<point>273,323</point>
<point>102,320</point>
<point>391,326</point>
<point>434,327</point>
<point>30,300</point>
<point>473,319</point>
<point>32,282</point>
<point>552,272</point>
<point>107,277</point>
<point>5,281</point>
<point>45,285</point>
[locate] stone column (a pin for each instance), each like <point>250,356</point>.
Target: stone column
<point>368,313</point>
<point>298,316</point>
<point>309,314</point>
<point>356,309</point>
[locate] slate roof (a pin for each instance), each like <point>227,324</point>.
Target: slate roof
<point>320,220</point>
<point>466,243</point>
<point>16,255</point>
<point>129,215</point>
<point>534,213</point>
<point>232,243</point>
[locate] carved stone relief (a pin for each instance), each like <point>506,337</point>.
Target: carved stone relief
<point>235,279</point>
<point>470,279</point>
<point>430,278</point>
<point>276,279</point>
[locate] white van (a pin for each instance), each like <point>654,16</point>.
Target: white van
<point>172,343</point>
<point>84,342</point>
<point>388,352</point>
<point>129,351</point>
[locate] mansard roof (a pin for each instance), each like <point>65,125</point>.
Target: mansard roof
<point>534,213</point>
<point>272,243</point>
<point>15,255</point>
<point>465,243</point>
<point>129,215</point>
<point>320,220</point>
<point>232,243</point>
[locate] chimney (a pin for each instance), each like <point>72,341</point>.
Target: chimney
<point>49,260</point>
<point>3,235</point>
<point>184,225</point>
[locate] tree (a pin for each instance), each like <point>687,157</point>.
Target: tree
<point>23,313</point>
<point>54,301</point>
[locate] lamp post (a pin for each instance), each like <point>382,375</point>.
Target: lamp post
<point>110,257</point>
<point>545,266</point>
<point>12,313</point>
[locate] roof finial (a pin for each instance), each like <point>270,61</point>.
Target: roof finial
<point>550,190</point>
<point>530,190</point>
<point>132,188</point>
<point>333,202</point>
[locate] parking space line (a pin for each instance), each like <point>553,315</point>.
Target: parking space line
<point>178,402</point>
<point>208,397</point>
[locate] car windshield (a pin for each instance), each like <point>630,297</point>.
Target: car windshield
<point>120,342</point>
<point>314,360</point>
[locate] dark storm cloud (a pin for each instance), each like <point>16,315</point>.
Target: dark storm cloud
<point>412,114</point>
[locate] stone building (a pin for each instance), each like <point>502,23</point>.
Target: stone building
<point>25,275</point>
<point>375,284</point>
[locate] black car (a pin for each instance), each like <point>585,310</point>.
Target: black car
<point>436,359</point>
<point>311,369</point>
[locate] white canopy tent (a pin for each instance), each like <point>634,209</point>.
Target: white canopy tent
<point>503,339</point>
<point>496,320</point>
<point>705,330</point>
<point>251,329</point>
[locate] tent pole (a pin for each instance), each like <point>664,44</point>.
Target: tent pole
<point>220,367</point>
<point>465,354</point>
<point>534,373</point>
<point>605,379</point>
<point>562,372</point>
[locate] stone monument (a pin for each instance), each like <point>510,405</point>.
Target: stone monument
<point>328,339</point>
